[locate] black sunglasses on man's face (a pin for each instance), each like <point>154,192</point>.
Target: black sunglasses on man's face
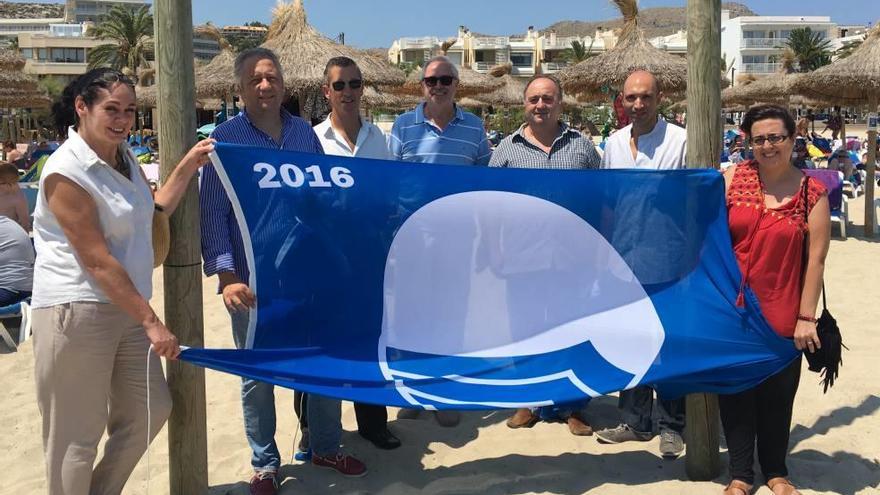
<point>353,84</point>
<point>444,80</point>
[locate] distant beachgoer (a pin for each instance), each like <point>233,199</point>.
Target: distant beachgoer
<point>772,206</point>
<point>842,162</point>
<point>16,263</point>
<point>92,321</point>
<point>543,141</point>
<point>833,124</point>
<point>13,203</point>
<point>648,142</point>
<point>12,154</point>
<point>803,127</point>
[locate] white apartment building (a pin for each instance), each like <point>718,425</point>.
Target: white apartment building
<point>528,54</point>
<point>61,52</point>
<point>754,44</point>
<point>78,11</point>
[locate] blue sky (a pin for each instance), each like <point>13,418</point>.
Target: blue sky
<point>373,23</point>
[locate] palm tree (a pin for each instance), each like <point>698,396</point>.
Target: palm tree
<point>811,49</point>
<point>130,33</point>
<point>578,52</point>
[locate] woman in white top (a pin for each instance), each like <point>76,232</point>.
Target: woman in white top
<point>92,321</point>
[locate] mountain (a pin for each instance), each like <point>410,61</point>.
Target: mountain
<point>9,10</point>
<point>659,21</point>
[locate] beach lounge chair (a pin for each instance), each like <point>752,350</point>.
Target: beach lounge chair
<point>833,181</point>
<point>33,174</point>
<point>20,310</point>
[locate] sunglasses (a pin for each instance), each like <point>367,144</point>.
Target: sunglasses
<point>432,81</point>
<point>340,85</point>
<point>770,138</point>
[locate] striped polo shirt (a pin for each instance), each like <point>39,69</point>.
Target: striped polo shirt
<point>222,245</point>
<point>462,142</point>
<point>569,150</point>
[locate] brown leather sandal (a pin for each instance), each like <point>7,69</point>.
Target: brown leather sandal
<point>785,486</point>
<point>738,487</point>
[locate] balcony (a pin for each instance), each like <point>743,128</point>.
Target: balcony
<point>561,43</point>
<point>491,43</point>
<point>418,43</point>
<point>521,70</point>
<point>38,67</point>
<point>761,68</point>
<point>484,67</point>
<point>553,67</point>
<point>764,43</point>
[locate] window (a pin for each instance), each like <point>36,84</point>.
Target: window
<point>521,59</point>
<point>753,34</point>
<point>42,54</point>
<point>753,59</point>
<point>27,53</point>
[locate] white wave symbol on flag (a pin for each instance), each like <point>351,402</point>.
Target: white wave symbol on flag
<point>490,297</point>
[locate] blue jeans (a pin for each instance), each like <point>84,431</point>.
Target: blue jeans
<point>637,405</point>
<point>258,404</point>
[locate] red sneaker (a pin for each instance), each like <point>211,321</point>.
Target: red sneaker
<point>345,464</point>
<point>264,483</point>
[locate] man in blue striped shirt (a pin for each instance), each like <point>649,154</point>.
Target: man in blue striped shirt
<point>438,131</point>
<point>263,123</point>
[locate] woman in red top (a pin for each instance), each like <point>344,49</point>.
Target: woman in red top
<point>772,206</point>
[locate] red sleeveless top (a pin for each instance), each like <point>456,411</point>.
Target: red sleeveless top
<point>769,244</point>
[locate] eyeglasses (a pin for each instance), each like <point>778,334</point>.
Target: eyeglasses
<point>353,84</point>
<point>432,81</point>
<point>771,138</point>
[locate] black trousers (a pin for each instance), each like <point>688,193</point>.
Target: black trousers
<point>761,414</point>
<point>370,418</point>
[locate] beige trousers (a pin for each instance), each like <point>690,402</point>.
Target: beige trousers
<point>91,375</point>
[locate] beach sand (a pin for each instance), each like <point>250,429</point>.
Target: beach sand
<point>835,440</point>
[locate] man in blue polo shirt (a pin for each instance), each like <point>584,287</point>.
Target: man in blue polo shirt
<point>265,124</point>
<point>438,131</point>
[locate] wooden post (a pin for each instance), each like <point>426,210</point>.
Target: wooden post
<point>187,435</point>
<point>870,169</point>
<point>703,151</point>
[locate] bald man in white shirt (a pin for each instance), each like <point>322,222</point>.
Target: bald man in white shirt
<point>649,142</point>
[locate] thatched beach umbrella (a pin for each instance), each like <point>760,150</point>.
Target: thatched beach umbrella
<point>853,81</point>
<point>17,89</point>
<point>216,78</point>
<point>10,60</point>
<point>632,52</point>
<point>146,96</point>
<point>470,83</point>
<point>303,52</point>
<point>23,98</point>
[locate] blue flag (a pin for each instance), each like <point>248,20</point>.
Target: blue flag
<point>454,287</point>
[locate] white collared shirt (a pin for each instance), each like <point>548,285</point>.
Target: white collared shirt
<point>664,148</point>
<point>125,216</point>
<point>371,141</point>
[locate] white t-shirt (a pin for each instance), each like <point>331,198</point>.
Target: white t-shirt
<point>371,141</point>
<point>125,216</point>
<point>664,148</point>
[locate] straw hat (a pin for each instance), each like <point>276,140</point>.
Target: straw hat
<point>161,237</point>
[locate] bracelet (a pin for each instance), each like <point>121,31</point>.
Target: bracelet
<point>810,319</point>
